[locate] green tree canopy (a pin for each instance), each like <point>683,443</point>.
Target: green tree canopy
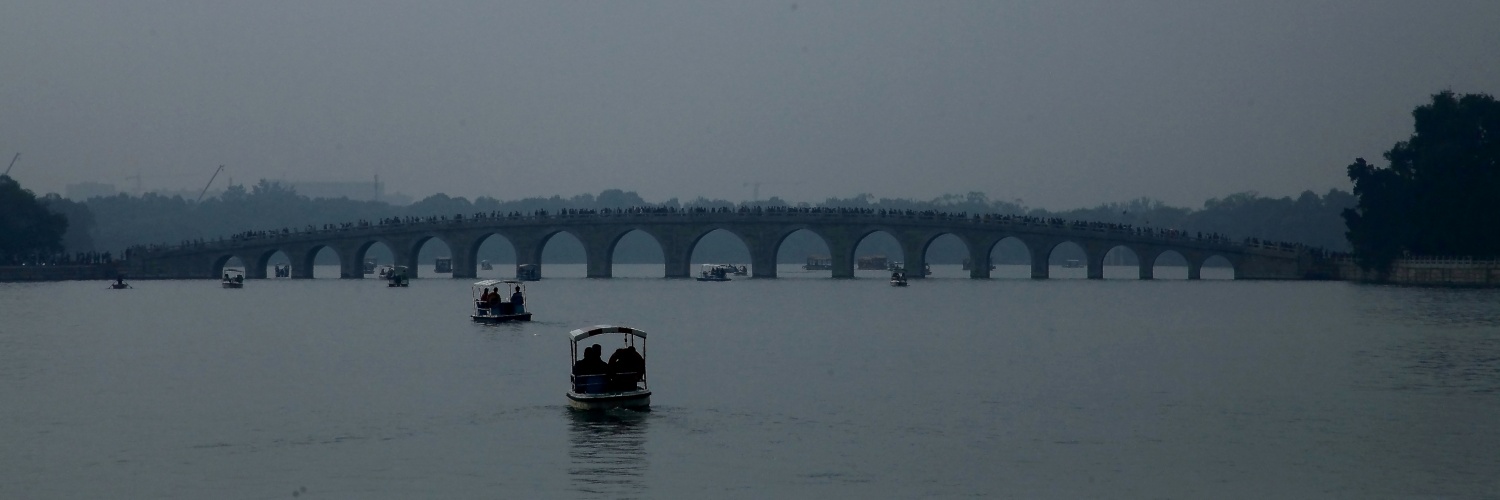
<point>1440,194</point>
<point>27,228</point>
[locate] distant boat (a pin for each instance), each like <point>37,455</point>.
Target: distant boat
<point>715,272</point>
<point>485,265</point>
<point>233,278</point>
<point>443,265</point>
<point>818,263</point>
<point>1072,264</point>
<point>528,272</point>
<point>871,262</point>
<point>898,279</point>
<point>395,277</point>
<point>503,310</point>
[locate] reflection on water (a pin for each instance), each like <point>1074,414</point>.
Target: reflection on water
<point>1447,340</point>
<point>607,452</point>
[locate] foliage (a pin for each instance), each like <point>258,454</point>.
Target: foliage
<point>27,228</point>
<point>1440,194</point>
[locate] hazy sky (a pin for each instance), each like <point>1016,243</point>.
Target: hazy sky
<point>1060,104</point>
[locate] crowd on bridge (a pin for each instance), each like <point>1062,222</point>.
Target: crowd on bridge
<point>59,259</point>
<point>658,210</point>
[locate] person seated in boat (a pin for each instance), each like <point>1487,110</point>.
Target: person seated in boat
<point>226,276</point>
<point>591,364</point>
<point>119,281</point>
<point>625,368</point>
<point>517,301</point>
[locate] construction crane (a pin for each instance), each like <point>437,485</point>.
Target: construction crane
<point>755,188</point>
<point>12,163</point>
<point>210,183</point>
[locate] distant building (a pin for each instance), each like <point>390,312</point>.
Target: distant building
<point>85,190</point>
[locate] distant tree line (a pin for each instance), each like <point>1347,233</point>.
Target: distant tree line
<point>1440,195</point>
<point>122,220</point>
<point>29,231</point>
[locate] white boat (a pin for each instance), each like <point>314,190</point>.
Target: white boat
<point>619,383</point>
<point>509,304</point>
<point>485,265</point>
<point>898,279</point>
<point>1072,264</point>
<point>396,277</point>
<point>715,272</point>
<point>233,278</point>
<point>528,272</point>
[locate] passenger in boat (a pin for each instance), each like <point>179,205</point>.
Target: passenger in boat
<point>516,301</point>
<point>591,364</point>
<point>625,367</point>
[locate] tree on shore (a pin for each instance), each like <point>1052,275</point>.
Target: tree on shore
<point>27,228</point>
<point>1440,195</point>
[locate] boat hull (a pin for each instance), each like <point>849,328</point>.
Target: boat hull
<point>234,285</point>
<point>633,399</point>
<point>502,318</point>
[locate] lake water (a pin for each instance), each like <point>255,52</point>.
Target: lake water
<point>786,388</point>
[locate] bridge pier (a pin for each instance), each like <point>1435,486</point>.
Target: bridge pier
<point>914,250</point>
<point>528,250</point>
<point>465,249</point>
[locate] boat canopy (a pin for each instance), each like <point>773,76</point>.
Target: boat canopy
<point>583,333</point>
<point>489,283</point>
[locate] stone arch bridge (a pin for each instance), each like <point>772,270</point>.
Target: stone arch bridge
<point>679,232</point>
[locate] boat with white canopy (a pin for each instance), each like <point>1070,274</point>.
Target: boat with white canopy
<point>506,302</point>
<point>233,278</point>
<point>618,383</point>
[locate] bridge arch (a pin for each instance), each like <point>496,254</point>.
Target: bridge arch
<point>498,242</point>
<point>305,260</point>
<point>948,247</point>
<point>607,253</point>
<point>1069,255</point>
<point>360,252</point>
<point>877,241</point>
<point>1218,267</point>
<point>264,260</point>
<point>635,240</point>
<point>1006,250</point>
<point>1169,264</point>
<point>720,232</point>
<point>765,255</point>
<point>575,242</point>
<point>222,262</point>
<point>1123,261</point>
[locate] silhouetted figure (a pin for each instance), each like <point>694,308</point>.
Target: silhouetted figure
<point>516,301</point>
<point>625,367</point>
<point>591,364</point>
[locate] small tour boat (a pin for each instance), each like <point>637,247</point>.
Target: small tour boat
<point>442,265</point>
<point>233,278</point>
<point>508,302</point>
<point>898,279</point>
<point>741,270</point>
<point>385,271</point>
<point>618,383</point>
<point>369,266</point>
<point>714,272</point>
<point>283,270</point>
<point>485,265</point>
<point>818,263</point>
<point>1072,264</point>
<point>528,272</point>
<point>119,284</point>
<point>396,277</point>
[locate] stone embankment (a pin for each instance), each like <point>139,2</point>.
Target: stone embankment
<point>1428,271</point>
